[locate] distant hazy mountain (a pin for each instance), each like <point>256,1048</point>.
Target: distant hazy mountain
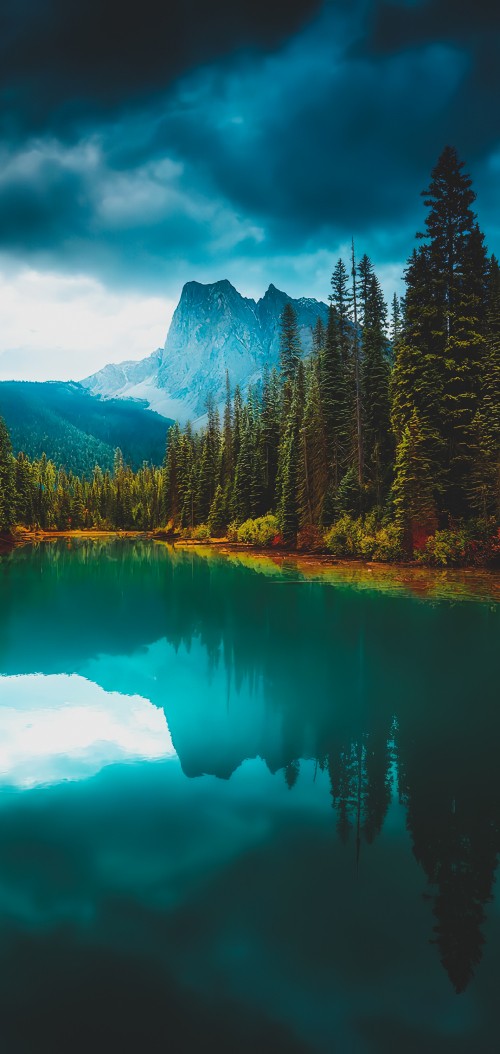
<point>77,429</point>
<point>213,329</point>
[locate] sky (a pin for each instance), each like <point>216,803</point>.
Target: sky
<point>144,147</point>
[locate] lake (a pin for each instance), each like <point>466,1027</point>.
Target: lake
<point>245,806</point>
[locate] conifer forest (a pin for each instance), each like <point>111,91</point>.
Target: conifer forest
<point>384,441</point>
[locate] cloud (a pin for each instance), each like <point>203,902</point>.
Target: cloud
<point>62,64</point>
<point>209,141</point>
<point>59,326</point>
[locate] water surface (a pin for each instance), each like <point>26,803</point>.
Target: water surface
<point>244,807</point>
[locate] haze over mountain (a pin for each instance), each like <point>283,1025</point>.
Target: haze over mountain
<point>214,329</point>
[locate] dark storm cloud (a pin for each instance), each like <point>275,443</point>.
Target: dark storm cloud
<point>341,134</point>
<point>396,26</point>
<point>41,203</point>
<point>199,134</point>
<point>331,140</point>
<point>63,61</point>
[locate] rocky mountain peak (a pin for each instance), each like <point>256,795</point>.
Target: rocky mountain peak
<point>213,329</point>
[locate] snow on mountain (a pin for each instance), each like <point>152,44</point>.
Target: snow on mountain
<point>213,329</point>
<point>116,380</point>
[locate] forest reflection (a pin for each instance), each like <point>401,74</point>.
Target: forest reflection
<point>386,693</point>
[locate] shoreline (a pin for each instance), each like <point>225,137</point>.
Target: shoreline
<point>419,580</point>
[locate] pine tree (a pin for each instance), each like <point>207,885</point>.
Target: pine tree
<point>396,323</point>
<point>375,378</point>
<point>237,423</point>
<point>414,490</point>
<point>288,511</point>
<point>257,486</point>
<point>209,464</point>
<point>335,403</point>
<point>242,493</point>
<point>270,423</point>
<point>458,274</point>
<point>341,298</point>
<point>484,491</point>
<point>23,490</point>
<point>312,480</point>
<point>318,337</point>
<point>290,347</point>
<point>227,453</point>
<point>417,378</point>
<point>187,477</point>
<point>218,515</point>
<point>7,493</point>
<point>171,495</point>
<point>464,365</point>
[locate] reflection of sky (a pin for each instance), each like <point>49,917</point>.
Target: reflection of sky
<point>64,727</point>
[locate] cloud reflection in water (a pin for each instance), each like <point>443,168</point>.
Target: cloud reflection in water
<point>62,727</point>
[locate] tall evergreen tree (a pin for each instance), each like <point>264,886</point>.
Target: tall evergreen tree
<point>458,273</point>
<point>209,463</point>
<point>288,511</point>
<point>341,298</point>
<point>375,378</point>
<point>396,322</point>
<point>23,489</point>
<point>417,381</point>
<point>270,424</point>
<point>336,409</point>
<point>414,489</point>
<point>312,479</point>
<point>7,493</point>
<point>290,347</point>
<point>485,474</point>
<point>171,489</point>
<point>318,337</point>
<point>227,456</point>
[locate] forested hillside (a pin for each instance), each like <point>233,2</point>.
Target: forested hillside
<point>77,430</point>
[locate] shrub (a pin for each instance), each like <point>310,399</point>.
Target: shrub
<point>443,549</point>
<point>344,538</point>
<point>261,531</point>
<point>389,544</point>
<point>365,539</point>
<point>472,545</point>
<point>200,533</point>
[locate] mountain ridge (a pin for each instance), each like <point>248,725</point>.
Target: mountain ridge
<point>77,429</point>
<point>214,329</point>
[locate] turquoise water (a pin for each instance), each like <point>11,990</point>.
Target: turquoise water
<point>241,810</point>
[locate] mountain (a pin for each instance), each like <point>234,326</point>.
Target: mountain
<point>213,329</point>
<point>77,429</point>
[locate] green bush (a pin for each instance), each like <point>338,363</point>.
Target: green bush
<point>444,549</point>
<point>472,545</point>
<point>344,538</point>
<point>261,531</point>
<point>389,544</point>
<point>365,539</point>
<point>201,533</point>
